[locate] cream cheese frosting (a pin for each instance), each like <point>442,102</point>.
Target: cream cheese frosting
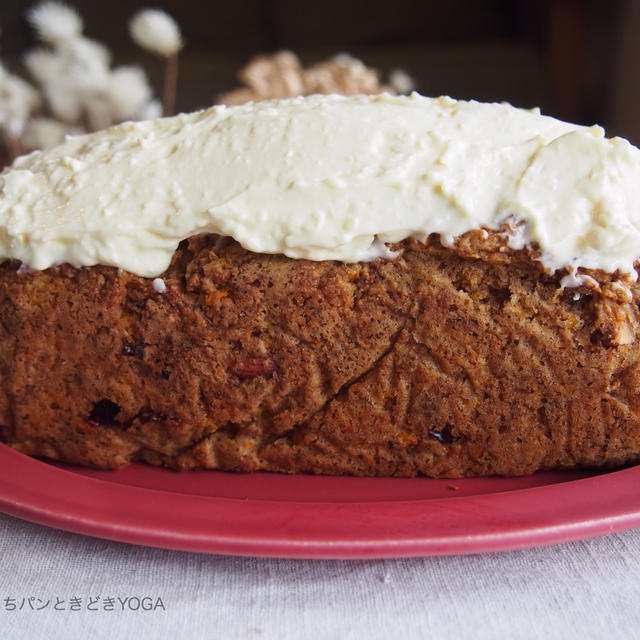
<point>325,178</point>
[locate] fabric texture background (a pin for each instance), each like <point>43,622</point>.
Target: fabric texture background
<point>587,589</point>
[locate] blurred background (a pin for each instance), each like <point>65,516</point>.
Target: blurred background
<point>576,59</point>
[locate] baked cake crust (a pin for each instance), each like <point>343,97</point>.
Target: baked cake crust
<point>444,361</point>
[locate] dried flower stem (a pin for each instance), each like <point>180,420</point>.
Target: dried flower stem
<point>170,84</point>
<point>12,144</point>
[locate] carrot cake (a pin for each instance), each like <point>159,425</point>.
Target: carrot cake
<point>341,285</point>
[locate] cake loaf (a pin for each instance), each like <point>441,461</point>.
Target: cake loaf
<point>466,344</point>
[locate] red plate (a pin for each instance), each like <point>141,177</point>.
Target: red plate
<point>318,517</point>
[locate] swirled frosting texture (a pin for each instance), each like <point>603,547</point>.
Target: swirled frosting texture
<point>325,177</point>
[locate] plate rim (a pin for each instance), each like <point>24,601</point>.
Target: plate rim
<point>499,521</point>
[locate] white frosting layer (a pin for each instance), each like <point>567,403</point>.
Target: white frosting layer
<point>325,177</point>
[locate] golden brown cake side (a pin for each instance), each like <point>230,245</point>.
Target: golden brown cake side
<point>449,362</point>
